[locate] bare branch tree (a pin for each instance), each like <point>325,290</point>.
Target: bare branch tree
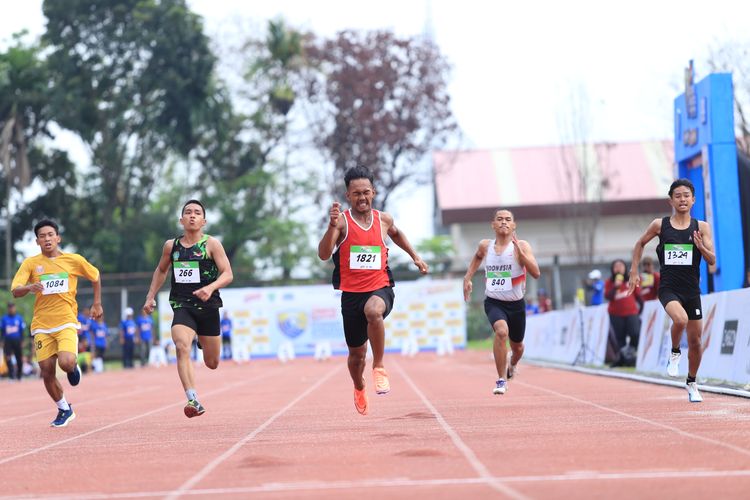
<point>734,57</point>
<point>585,178</point>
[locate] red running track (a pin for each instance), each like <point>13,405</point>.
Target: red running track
<point>291,431</point>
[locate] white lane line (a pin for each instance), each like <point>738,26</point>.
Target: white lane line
<point>127,420</point>
<point>478,466</point>
<point>49,409</point>
<point>402,482</point>
<point>239,444</point>
<point>687,434</point>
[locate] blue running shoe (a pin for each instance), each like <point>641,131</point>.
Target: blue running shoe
<point>63,417</point>
<point>500,387</point>
<point>74,377</point>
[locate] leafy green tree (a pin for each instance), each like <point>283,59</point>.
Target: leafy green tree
<point>133,79</point>
<point>253,187</point>
<point>437,252</point>
<point>25,116</point>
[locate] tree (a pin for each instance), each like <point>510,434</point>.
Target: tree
<point>733,57</point>
<point>586,178</point>
<point>131,78</point>
<point>382,102</point>
<point>24,118</point>
<point>438,252</point>
<point>253,185</point>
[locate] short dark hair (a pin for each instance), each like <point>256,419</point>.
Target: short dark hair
<point>681,182</point>
<point>504,210</point>
<point>355,173</point>
<point>193,202</point>
<point>44,223</point>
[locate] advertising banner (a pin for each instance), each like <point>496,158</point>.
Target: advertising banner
<point>426,312</point>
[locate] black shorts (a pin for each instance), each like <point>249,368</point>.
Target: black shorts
<point>513,313</point>
<point>353,311</point>
<point>691,303</point>
<point>204,321</point>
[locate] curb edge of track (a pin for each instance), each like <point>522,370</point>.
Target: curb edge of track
<point>638,378</point>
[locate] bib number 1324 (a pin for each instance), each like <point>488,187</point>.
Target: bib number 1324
<point>678,254</point>
<point>187,272</point>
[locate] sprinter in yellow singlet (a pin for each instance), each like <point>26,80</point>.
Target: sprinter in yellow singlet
<point>53,277</point>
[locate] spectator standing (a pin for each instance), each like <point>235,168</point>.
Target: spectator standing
<point>544,302</point>
<point>624,307</point>
<point>226,336</point>
<point>99,332</point>
<point>85,342</point>
<point>649,280</point>
<point>145,325</point>
<point>12,327</point>
<point>595,284</point>
<point>128,338</point>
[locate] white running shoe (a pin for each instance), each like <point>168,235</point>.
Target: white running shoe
<point>673,366</point>
<point>500,387</point>
<point>693,395</point>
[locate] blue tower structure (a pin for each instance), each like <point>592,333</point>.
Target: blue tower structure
<point>706,153</point>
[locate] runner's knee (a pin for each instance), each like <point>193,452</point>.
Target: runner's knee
<point>501,330</point>
<point>373,314</point>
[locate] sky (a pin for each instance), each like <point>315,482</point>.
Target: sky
<point>515,65</point>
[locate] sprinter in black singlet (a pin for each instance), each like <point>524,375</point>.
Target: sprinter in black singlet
<point>683,240</point>
<point>199,268</point>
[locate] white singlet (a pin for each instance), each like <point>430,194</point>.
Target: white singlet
<point>505,277</point>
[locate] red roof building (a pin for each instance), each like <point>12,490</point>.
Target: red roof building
<point>581,206</point>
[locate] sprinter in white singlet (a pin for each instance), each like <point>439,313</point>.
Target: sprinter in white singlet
<point>506,261</point>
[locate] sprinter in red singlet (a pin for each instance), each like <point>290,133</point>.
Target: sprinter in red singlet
<point>356,240</point>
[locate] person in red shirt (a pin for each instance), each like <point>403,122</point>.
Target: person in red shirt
<point>355,239</point>
<point>624,307</point>
<point>649,280</point>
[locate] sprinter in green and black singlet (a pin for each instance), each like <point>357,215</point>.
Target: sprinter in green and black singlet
<point>683,240</point>
<point>199,267</point>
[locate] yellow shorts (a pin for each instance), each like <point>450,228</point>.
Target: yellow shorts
<point>49,344</point>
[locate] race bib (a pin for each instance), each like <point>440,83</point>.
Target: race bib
<point>364,257</point>
<point>54,283</point>
<point>678,254</point>
<point>187,271</point>
<point>499,281</point>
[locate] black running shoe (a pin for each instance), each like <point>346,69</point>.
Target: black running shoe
<point>74,377</point>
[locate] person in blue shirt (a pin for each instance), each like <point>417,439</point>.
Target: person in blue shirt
<point>226,336</point>
<point>595,284</point>
<point>128,339</point>
<point>99,331</point>
<point>85,342</point>
<point>12,327</point>
<point>145,330</point>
